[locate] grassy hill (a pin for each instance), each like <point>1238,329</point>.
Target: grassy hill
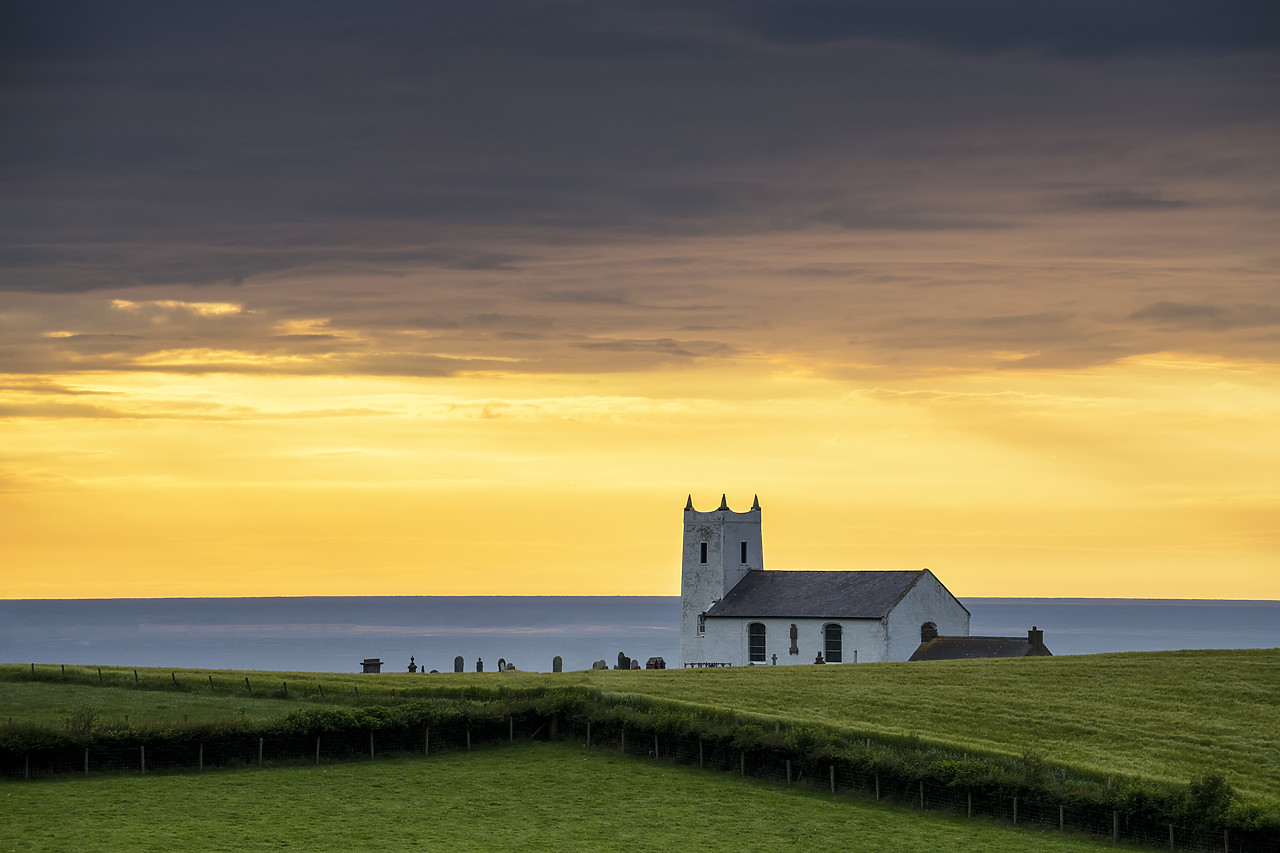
<point>1161,715</point>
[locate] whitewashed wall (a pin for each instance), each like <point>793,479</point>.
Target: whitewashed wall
<point>927,601</point>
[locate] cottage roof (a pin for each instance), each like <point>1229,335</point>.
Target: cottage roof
<point>816,595</point>
<point>963,648</point>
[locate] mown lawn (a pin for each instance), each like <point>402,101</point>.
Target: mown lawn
<point>533,797</point>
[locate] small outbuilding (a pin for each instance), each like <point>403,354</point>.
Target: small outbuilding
<point>936,647</point>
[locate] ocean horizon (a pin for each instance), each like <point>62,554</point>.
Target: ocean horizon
<point>334,634</point>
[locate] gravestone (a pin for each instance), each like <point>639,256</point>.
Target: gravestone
<point>502,664</point>
<point>457,664</point>
<point>819,659</point>
<point>479,665</point>
<point>600,664</point>
<point>655,663</point>
<point>635,664</point>
<point>624,662</point>
<point>413,667</point>
<point>557,664</point>
<point>371,665</point>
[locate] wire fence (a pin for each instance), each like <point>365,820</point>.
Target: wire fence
<point>768,765</point>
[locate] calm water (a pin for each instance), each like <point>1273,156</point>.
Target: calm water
<point>335,634</point>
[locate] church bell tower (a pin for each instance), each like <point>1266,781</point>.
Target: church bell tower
<point>720,547</point>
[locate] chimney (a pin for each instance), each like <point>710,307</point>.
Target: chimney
<point>928,631</point>
<point>1035,636</point>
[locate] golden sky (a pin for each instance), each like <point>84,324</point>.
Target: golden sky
<point>454,307</point>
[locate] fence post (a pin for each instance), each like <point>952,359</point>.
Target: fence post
<point>1015,811</point>
<point>877,787</point>
<point>511,729</point>
<point>142,753</point>
<point>211,683</point>
<point>1062,819</point>
<point>1226,842</point>
<point>468,738</point>
<point>655,747</point>
<point>371,742</point>
<point>788,771</point>
<point>742,762</point>
<point>26,761</point>
<point>99,675</point>
<point>969,810</point>
<point>201,759</point>
<point>259,753</point>
<point>832,768</point>
<point>1171,847</point>
<point>1115,827</point>
<point>247,686</point>
<point>426,742</point>
<point>700,755</point>
<point>624,739</point>
<point>86,761</point>
<point>588,733</point>
<point>174,676</point>
<point>921,795</point>
<point>317,749</point>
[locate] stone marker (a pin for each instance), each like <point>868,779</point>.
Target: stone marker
<point>479,665</point>
<point>458,664</point>
<point>413,667</point>
<point>557,664</point>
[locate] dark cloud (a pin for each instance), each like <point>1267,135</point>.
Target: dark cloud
<point>1208,316</point>
<point>1121,199</point>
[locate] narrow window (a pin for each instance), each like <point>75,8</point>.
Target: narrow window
<point>833,643</point>
<point>702,624</point>
<point>755,642</point>
<point>744,553</point>
<point>704,552</point>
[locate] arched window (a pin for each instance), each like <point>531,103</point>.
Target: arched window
<point>833,643</point>
<point>755,642</point>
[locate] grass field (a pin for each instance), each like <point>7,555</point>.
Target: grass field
<point>1162,715</point>
<point>533,797</point>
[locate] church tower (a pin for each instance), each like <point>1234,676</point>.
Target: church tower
<point>720,547</point>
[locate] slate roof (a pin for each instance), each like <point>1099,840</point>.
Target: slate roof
<point>816,595</point>
<point>963,648</point>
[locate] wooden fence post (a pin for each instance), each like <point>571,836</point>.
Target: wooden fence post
<point>86,761</point>
<point>588,733</point>
<point>788,771</point>
<point>211,684</point>
<point>700,764</point>
<point>26,761</point>
<point>832,769</point>
<point>1015,811</point>
<point>877,787</point>
<point>921,795</point>
<point>1115,827</point>
<point>511,729</point>
<point>259,753</point>
<point>742,762</point>
<point>371,742</point>
<point>1062,818</point>
<point>201,765</point>
<point>624,739</point>
<point>247,686</point>
<point>969,810</point>
<point>1171,847</point>
<point>142,752</point>
<point>655,747</point>
<point>99,675</point>
<point>174,676</point>
<point>317,749</point>
<point>426,742</point>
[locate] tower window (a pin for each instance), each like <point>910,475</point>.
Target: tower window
<point>744,553</point>
<point>702,623</point>
<point>755,642</point>
<point>704,552</point>
<point>833,643</point>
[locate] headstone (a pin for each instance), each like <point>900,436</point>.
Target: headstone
<point>775,659</point>
<point>557,664</point>
<point>479,665</point>
<point>457,664</point>
<point>655,663</point>
<point>819,659</point>
<point>600,664</point>
<point>502,664</point>
<point>413,667</point>
<point>624,662</point>
<point>511,667</point>
<point>635,664</point>
<point>371,665</point>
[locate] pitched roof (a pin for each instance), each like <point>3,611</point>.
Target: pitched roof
<point>963,648</point>
<point>817,595</point>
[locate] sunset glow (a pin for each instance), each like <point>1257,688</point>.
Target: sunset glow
<point>419,340</point>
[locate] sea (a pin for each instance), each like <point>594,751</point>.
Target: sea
<point>336,634</point>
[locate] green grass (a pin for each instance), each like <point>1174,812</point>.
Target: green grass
<point>533,797</point>
<point>1161,715</point>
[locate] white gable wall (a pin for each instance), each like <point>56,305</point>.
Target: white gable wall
<point>927,601</point>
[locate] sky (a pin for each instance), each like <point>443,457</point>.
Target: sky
<point>440,298</point>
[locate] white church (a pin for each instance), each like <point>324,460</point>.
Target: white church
<point>734,613</point>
